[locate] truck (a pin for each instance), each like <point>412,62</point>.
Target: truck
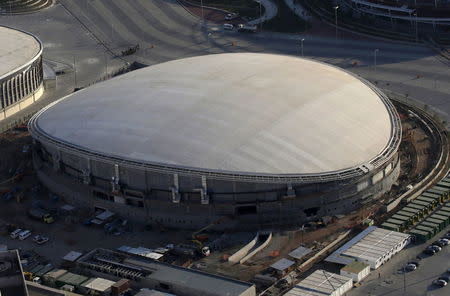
<point>41,215</point>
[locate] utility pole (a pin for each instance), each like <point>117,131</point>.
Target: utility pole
<point>417,33</point>
<point>203,15</point>
<point>260,16</point>
<point>375,57</point>
<point>74,73</point>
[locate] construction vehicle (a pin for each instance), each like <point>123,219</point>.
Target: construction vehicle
<point>41,215</point>
<point>193,250</point>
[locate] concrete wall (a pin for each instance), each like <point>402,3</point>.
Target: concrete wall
<point>21,89</point>
<point>143,195</point>
<point>242,252</point>
<point>357,277</point>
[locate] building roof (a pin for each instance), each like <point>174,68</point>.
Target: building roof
<point>241,112</point>
<point>72,279</point>
<point>371,244</point>
<point>98,284</point>
<point>320,283</point>
<point>282,264</point>
<point>151,292</point>
<point>18,48</point>
<point>72,256</point>
<point>355,267</point>
<point>12,282</point>
<point>156,271</point>
<point>300,252</point>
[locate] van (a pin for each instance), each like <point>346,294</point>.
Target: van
<point>228,26</point>
<point>24,234</point>
<point>15,233</point>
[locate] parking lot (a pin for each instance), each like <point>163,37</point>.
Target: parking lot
<point>391,280</point>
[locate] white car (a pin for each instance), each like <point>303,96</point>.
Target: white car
<point>24,234</point>
<point>40,239</point>
<point>231,16</point>
<point>15,233</point>
<point>228,26</point>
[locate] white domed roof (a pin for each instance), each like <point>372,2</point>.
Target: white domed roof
<point>245,112</point>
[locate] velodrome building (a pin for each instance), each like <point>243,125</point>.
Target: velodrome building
<point>21,73</point>
<point>262,140</point>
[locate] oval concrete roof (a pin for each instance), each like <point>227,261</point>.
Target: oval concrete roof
<point>17,48</point>
<point>239,112</point>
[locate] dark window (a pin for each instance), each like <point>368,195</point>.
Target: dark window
<point>102,195</point>
<point>246,210</point>
<point>311,211</point>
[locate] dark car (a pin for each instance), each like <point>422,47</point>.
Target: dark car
<point>440,283</point>
<point>439,243</point>
<point>415,263</point>
<point>429,251</point>
<point>436,248</point>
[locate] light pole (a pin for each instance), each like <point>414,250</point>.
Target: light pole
<point>375,56</point>
<point>301,44</point>
<point>201,4</point>
<point>335,18</point>
<point>417,33</point>
<point>74,73</point>
<point>260,15</point>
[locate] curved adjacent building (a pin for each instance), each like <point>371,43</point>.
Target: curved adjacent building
<point>21,73</point>
<point>260,139</point>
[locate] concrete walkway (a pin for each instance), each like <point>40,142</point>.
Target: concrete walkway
<point>270,11</point>
<point>299,10</point>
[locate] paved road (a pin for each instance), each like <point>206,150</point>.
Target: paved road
<point>393,281</point>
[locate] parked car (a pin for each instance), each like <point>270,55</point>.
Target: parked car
<point>414,262</point>
<point>228,27</point>
<point>24,234</point>
<point>429,251</point>
<point>439,243</point>
<point>40,239</point>
<point>410,267</point>
<point>444,241</point>
<point>436,248</point>
<point>440,283</point>
<point>15,233</point>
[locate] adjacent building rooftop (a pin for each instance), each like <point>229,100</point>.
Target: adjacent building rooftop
<point>16,50</point>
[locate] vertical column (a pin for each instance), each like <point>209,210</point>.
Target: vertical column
<point>175,193</point>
